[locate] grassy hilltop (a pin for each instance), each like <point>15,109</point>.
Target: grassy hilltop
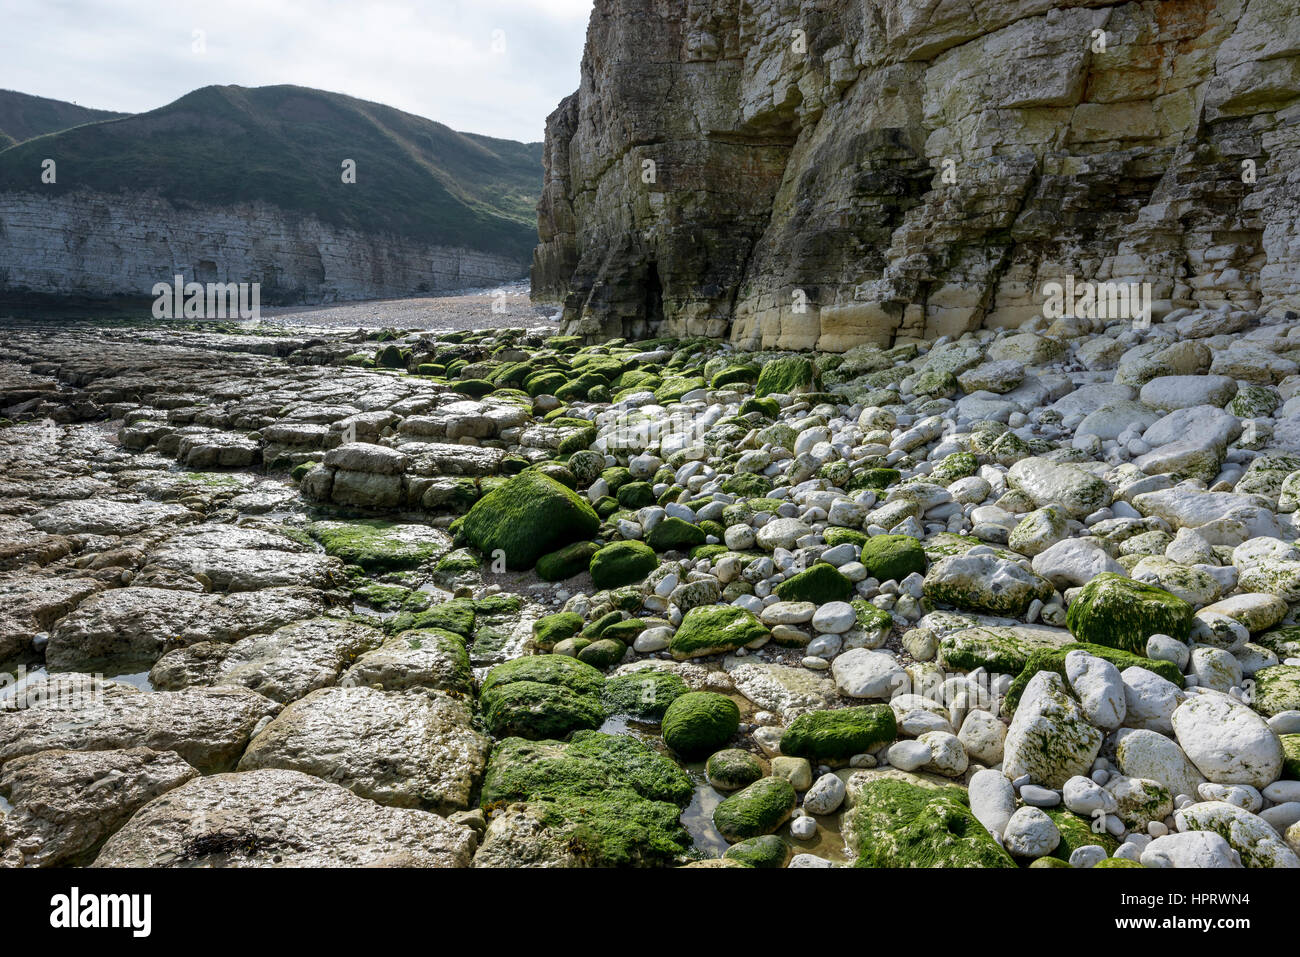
<point>284,145</point>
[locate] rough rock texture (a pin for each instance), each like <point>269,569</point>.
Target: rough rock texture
<point>277,818</point>
<point>814,174</point>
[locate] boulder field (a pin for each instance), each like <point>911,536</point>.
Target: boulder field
<point>1023,598</point>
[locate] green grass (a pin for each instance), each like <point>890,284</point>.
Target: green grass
<point>23,117</point>
<point>285,145</point>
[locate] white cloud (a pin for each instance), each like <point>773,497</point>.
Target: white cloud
<point>485,66</point>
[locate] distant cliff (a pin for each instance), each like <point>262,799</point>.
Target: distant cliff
<point>825,173</point>
<point>246,185</point>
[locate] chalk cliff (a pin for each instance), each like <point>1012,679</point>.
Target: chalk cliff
<point>96,245</point>
<point>804,174</point>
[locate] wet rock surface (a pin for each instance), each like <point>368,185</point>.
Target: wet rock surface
<point>424,599</point>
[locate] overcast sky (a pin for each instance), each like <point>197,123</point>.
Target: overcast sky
<point>482,66</point>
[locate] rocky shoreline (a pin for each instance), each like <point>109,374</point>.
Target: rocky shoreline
<point>279,596</point>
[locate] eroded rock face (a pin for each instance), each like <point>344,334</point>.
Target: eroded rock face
<point>414,749</point>
<point>821,175</point>
<point>279,818</point>
<point>208,727</point>
<point>66,803</point>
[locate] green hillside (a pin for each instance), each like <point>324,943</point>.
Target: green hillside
<point>285,145</point>
<point>23,117</point>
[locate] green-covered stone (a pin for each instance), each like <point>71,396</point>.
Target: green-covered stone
<point>766,850</point>
<point>377,545</point>
<point>1277,689</point>
<point>758,809</point>
<point>785,376</point>
<point>603,653</point>
<point>899,824</point>
<point>542,696</point>
<point>622,563</point>
<point>1118,612</point>
<point>566,562</point>
<point>643,694</point>
<point>555,628</point>
<point>1054,660</point>
<point>839,733</point>
<point>893,557</point>
<point>711,629</point>
<point>526,517</point>
<point>699,722</point>
<point>820,584</point>
<point>732,769</point>
<point>675,534</point>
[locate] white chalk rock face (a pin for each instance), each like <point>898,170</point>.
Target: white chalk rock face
<point>1099,687</point>
<point>1227,741</point>
<point>1190,849</point>
<point>1050,738</point>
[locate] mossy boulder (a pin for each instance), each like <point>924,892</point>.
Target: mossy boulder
<point>1077,832</point>
<point>635,495</point>
<point>604,800</point>
<point>699,722</point>
<point>732,769</point>
<point>457,615</point>
<point>820,584</point>
<point>1113,862</point>
<point>603,653</point>
<point>785,376</point>
<point>1290,756</point>
<point>643,694</point>
<point>526,517</point>
<point>1277,689</point>
<point>622,563</point>
<point>893,557</point>
<point>839,733</point>
<point>768,408</point>
<point>675,534</point>
<point>766,850</point>
<point>899,824</point>
<point>712,629</point>
<point>542,696</point>
<point>566,562</point>
<point>756,810</point>
<point>549,630</point>
<point>1118,612</point>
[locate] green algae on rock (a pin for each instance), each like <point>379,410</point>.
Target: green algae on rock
<point>644,694</point>
<point>898,824</point>
<point>1122,613</point>
<point>839,733</point>
<point>526,517</point>
<point>542,696</point>
<point>756,810</point>
<point>712,629</point>
<point>699,722</point>
<point>820,584</point>
<point>622,563</point>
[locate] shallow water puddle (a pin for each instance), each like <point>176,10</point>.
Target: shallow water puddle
<point>698,818</point>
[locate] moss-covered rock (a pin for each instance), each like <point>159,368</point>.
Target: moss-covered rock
<point>893,557</point>
<point>550,629</point>
<point>378,545</point>
<point>1290,756</point>
<point>526,517</point>
<point>542,696</point>
<point>1113,862</point>
<point>1000,649</point>
<point>609,800</point>
<point>732,769</point>
<point>899,824</point>
<point>643,694</point>
<point>820,584</point>
<point>839,733</point>
<point>785,376</point>
<point>622,563</point>
<point>1119,612</point>
<point>566,562</point>
<point>699,722</point>
<point>1277,689</point>
<point>712,629</point>
<point>766,850</point>
<point>1077,832</point>
<point>768,408</point>
<point>675,534</point>
<point>604,652</point>
<point>758,809</point>
<point>457,615</point>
